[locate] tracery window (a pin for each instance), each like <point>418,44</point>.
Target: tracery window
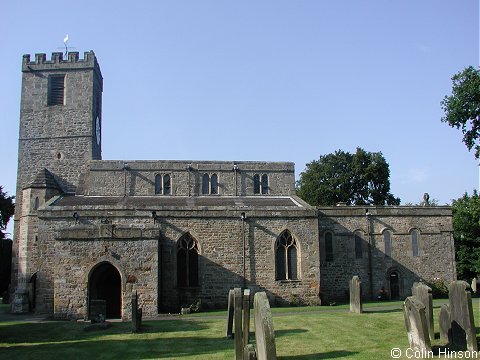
<point>187,261</point>
<point>286,253</point>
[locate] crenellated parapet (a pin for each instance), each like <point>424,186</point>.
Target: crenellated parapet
<point>58,62</point>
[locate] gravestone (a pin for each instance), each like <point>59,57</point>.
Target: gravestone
<point>238,317</point>
<point>416,324</point>
<point>230,311</point>
<point>98,309</point>
<point>264,332</point>
<point>444,323</point>
<point>474,285</point>
<point>250,353</point>
<point>461,315</point>
<point>424,294</point>
<point>246,317</point>
<point>355,286</point>
<point>136,313</point>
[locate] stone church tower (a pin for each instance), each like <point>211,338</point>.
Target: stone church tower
<point>60,131</point>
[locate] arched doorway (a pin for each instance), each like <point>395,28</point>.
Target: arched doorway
<point>105,284</point>
<point>394,281</point>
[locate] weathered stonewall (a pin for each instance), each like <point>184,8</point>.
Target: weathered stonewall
<point>356,295</point>
<point>264,332</point>
<point>246,317</point>
<point>445,323</point>
<point>416,324</point>
<point>461,314</point>
<point>136,313</point>
<point>238,317</point>
<point>424,294</point>
<point>230,311</point>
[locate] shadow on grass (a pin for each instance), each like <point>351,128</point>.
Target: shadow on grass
<point>129,349</point>
<point>385,311</point>
<point>34,333</point>
<point>325,355</point>
<point>280,333</point>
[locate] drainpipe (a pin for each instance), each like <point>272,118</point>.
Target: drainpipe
<point>235,169</point>
<point>370,244</point>
<point>244,217</point>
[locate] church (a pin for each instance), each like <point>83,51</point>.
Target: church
<point>185,232</point>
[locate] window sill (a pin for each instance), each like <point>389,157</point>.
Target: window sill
<point>288,281</point>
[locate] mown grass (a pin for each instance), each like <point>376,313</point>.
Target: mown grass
<point>301,334</point>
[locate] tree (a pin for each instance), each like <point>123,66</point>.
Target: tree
<point>7,208</point>
<point>462,108</point>
<point>356,179</point>
<point>466,232</point>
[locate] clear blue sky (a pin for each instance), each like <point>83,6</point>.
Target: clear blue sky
<point>262,80</point>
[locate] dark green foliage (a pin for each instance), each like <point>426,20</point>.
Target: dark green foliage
<point>466,227</point>
<point>7,208</point>
<point>355,179</point>
<point>439,288</point>
<point>462,108</point>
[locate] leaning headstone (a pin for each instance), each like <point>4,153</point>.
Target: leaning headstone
<point>246,317</point>
<point>264,332</point>
<point>136,313</point>
<point>238,317</point>
<point>355,286</point>
<point>424,294</point>
<point>98,309</point>
<point>230,311</point>
<point>461,313</point>
<point>416,324</point>
<point>445,323</point>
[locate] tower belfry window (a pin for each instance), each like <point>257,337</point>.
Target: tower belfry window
<point>56,90</point>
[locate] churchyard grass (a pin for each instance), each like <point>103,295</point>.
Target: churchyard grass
<point>301,334</point>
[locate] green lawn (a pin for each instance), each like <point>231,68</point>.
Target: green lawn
<point>301,333</point>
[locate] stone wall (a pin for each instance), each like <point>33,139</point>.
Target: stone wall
<point>436,258</point>
<point>138,177</point>
<point>145,252</point>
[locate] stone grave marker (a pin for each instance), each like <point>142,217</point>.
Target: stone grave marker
<point>416,324</point>
<point>136,313</point>
<point>230,311</point>
<point>424,294</point>
<point>250,353</point>
<point>355,286</point>
<point>461,316</point>
<point>264,332</point>
<point>238,320</point>
<point>98,310</point>
<point>246,317</point>
<point>444,323</point>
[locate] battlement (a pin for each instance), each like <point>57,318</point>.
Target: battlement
<point>57,62</point>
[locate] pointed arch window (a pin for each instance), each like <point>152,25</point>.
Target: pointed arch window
<point>205,184</point>
<point>187,261</point>
<point>158,184</point>
<point>328,246</point>
<point>256,184</point>
<point>36,203</point>
<point>286,257</point>
<point>167,184</point>
<point>264,184</point>
<point>415,245</point>
<point>387,240</point>
<point>214,184</point>
<point>358,245</point>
